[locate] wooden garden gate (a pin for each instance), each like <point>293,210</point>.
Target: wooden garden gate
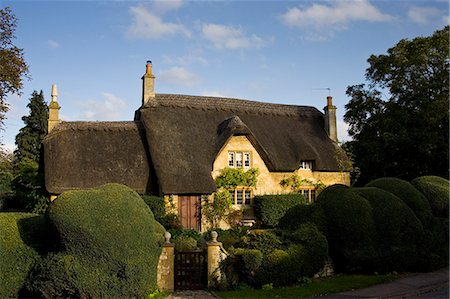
<point>190,270</point>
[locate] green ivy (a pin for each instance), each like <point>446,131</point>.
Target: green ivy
<point>295,182</point>
<point>230,178</point>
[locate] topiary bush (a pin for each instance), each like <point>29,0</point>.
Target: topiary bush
<point>436,191</point>
<point>301,214</point>
<point>156,205</point>
<point>270,208</point>
<point>110,245</point>
<point>406,192</point>
<point>262,240</point>
<point>21,240</point>
<point>241,266</point>
<point>400,233</point>
<point>315,248</point>
<point>230,238</point>
<point>349,229</point>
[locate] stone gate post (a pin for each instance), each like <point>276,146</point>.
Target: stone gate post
<point>166,266</point>
<point>215,256</point>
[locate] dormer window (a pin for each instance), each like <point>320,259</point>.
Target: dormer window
<point>306,164</point>
<point>239,159</point>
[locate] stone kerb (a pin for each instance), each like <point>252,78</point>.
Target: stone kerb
<point>216,254</point>
<point>166,265</point>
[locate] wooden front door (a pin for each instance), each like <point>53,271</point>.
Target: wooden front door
<point>189,211</point>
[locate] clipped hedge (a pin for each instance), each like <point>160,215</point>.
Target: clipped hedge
<point>410,195</point>
<point>400,233</point>
<point>349,229</point>
<point>21,238</point>
<point>305,256</point>
<point>436,191</point>
<point>156,205</point>
<point>270,208</point>
<point>110,245</point>
<point>262,240</point>
<point>301,214</point>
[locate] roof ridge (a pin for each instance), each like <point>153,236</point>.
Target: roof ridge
<point>232,104</point>
<point>97,126</point>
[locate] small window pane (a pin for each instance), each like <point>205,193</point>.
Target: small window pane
<point>238,159</point>
<point>239,195</point>
<point>231,159</point>
<point>246,160</point>
<point>313,196</point>
<point>247,196</point>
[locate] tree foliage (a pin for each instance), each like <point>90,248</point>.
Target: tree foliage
<point>12,63</point>
<point>399,121</point>
<point>30,137</point>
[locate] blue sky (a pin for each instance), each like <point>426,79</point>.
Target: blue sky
<point>271,51</point>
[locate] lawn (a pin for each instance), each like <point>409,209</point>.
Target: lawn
<point>317,287</point>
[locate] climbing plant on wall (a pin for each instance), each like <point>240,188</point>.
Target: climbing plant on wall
<point>220,208</point>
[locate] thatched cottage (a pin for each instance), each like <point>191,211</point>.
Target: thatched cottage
<point>177,144</point>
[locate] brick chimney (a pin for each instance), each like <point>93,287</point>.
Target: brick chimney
<point>53,110</point>
<point>330,119</point>
<point>148,85</point>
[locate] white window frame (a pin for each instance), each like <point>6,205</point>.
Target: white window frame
<point>247,196</point>
<point>231,159</point>
<point>310,192</point>
<point>239,159</point>
<point>306,165</point>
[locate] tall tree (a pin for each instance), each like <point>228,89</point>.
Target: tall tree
<point>12,63</point>
<point>400,121</point>
<point>30,137</point>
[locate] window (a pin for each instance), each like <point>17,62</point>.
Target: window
<point>239,159</point>
<point>230,159</point>
<point>247,160</point>
<point>241,197</point>
<point>306,165</point>
<point>309,194</point>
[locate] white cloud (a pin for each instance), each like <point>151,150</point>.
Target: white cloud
<point>228,37</point>
<point>336,14</point>
<point>148,25</point>
<point>189,58</point>
<point>8,147</point>
<point>53,44</point>
<point>211,93</point>
<point>111,108</point>
<point>162,6</point>
<point>423,15</point>
<point>179,76</point>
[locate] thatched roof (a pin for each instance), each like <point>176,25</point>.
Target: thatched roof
<point>80,155</point>
<point>185,134</point>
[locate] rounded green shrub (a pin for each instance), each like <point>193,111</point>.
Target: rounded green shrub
<point>228,237</point>
<point>315,247</point>
<point>270,208</point>
<point>349,229</point>
<point>406,192</point>
<point>112,240</point>
<point>436,191</point>
<point>301,214</point>
<point>262,240</point>
<point>241,266</point>
<point>156,205</point>
<point>21,239</point>
<point>400,233</point>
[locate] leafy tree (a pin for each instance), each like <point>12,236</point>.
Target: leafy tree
<point>12,63</point>
<point>30,137</point>
<point>399,121</point>
<point>6,172</point>
<point>28,183</point>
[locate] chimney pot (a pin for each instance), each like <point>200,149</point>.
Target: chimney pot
<point>329,101</point>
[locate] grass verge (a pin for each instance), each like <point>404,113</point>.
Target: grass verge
<point>317,287</point>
